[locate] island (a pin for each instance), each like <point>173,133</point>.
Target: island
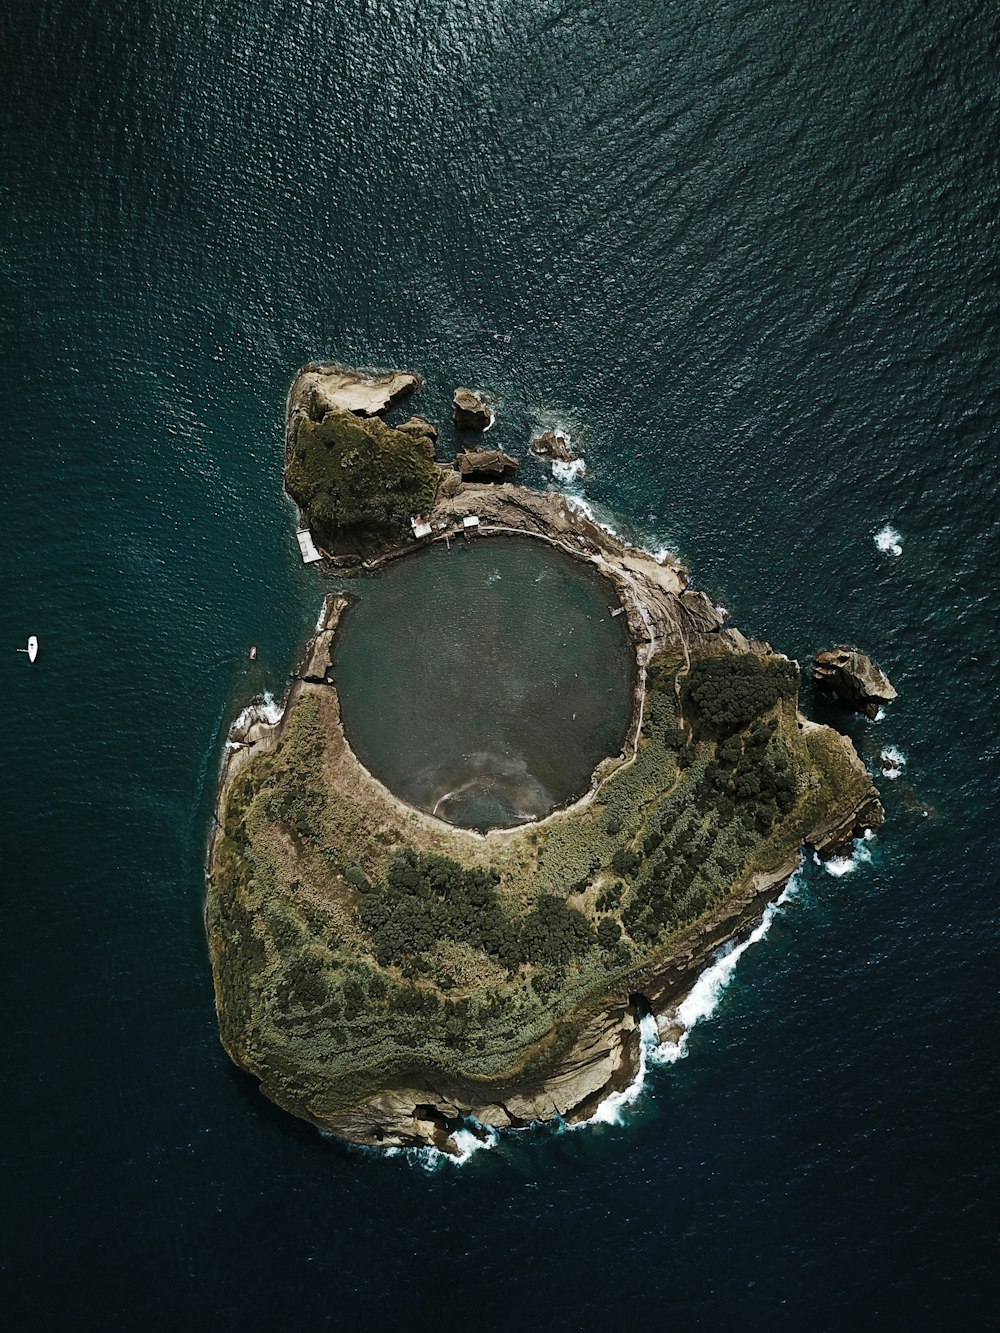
<point>393,978</point>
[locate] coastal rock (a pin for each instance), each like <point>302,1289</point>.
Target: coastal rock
<point>554,446</point>
<point>319,389</point>
<point>469,411</point>
<point>423,430</point>
<point>486,465</point>
<point>855,678</point>
<point>451,484</point>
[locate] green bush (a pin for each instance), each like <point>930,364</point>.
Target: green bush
<point>726,691</point>
<point>554,933</point>
<point>359,481</point>
<point>609,932</point>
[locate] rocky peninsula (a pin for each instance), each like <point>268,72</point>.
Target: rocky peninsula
<point>391,977</point>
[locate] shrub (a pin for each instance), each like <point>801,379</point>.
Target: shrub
<point>726,691</point>
<point>554,933</point>
<point>359,480</point>
<point>609,932</point>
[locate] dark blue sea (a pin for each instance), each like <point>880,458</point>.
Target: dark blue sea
<point>747,252</point>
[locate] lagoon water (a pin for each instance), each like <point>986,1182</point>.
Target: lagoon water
<point>747,255</point>
<point>486,682</point>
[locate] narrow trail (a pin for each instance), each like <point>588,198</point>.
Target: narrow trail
<point>684,671</point>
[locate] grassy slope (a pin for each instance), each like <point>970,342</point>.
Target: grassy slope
<point>359,481</point>
<point>303,1001</point>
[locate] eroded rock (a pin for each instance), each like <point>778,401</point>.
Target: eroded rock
<point>855,678</point>
<point>423,430</point>
<point>486,465</point>
<point>469,411</point>
<point>554,446</point>
<point>319,389</point>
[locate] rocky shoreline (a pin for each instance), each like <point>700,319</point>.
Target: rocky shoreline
<point>665,616</point>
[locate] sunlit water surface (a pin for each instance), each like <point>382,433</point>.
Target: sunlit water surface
<point>746,254</point>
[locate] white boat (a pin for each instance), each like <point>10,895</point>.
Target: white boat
<point>32,649</point>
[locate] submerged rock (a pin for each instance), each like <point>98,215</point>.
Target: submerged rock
<point>855,678</point>
<point>553,445</point>
<point>469,411</point>
<point>486,465</point>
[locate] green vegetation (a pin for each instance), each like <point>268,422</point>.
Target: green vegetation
<point>726,691</point>
<point>359,481</point>
<point>354,946</point>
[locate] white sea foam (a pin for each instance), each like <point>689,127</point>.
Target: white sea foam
<point>493,417</point>
<point>568,472</point>
<point>611,1111</point>
<point>889,541</point>
<point>893,762</point>
<point>270,711</point>
<point>432,1159</point>
<point>260,710</point>
<point>703,999</point>
<point>579,505</point>
<point>846,865</point>
<point>879,716</point>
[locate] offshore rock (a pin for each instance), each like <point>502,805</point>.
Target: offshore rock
<point>486,465</point>
<point>553,445</point>
<point>322,388</point>
<point>855,678</point>
<point>469,411</point>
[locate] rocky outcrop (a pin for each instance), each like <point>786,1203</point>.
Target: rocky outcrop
<point>486,465</point>
<point>451,483</point>
<point>469,411</point>
<point>423,430</point>
<point>604,1059</point>
<point>319,389</point>
<point>855,678</point>
<point>554,446</point>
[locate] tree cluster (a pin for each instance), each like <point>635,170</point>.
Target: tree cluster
<point>727,691</point>
<point>553,933</point>
<point>359,480</point>
<point>689,858</point>
<point>428,898</point>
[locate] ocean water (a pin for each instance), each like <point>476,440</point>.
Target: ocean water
<point>746,254</point>
<point>485,682</point>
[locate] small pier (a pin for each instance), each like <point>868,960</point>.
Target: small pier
<point>307,547</point>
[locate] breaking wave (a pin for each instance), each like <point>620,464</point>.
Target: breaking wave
<point>568,472</point>
<point>259,710</point>
<point>889,541</point>
<point>611,1110</point>
<point>580,506</point>
<point>893,762</point>
<point>846,865</point>
<point>433,1159</point>
<point>702,1000</point>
